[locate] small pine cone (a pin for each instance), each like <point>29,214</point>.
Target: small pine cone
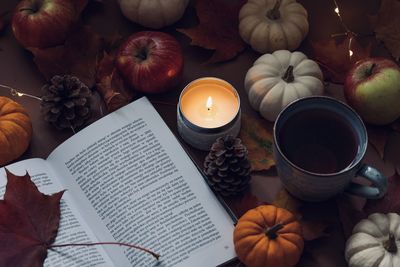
<point>66,102</point>
<point>227,167</point>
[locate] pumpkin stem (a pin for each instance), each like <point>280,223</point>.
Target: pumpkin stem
<point>274,13</point>
<point>390,244</point>
<point>288,76</point>
<point>271,231</point>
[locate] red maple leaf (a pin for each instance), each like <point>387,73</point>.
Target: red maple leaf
<point>218,29</point>
<point>29,222</point>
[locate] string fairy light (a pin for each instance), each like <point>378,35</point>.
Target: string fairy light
<point>349,33</point>
<point>15,92</point>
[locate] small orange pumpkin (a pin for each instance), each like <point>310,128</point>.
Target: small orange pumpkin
<point>15,130</point>
<point>268,236</point>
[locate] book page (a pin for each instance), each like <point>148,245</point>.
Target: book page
<point>72,228</point>
<point>145,189</point>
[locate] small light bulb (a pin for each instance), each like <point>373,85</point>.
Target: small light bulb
<point>350,52</point>
<point>337,10</point>
<point>209,103</point>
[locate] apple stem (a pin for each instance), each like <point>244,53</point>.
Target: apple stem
<point>274,13</point>
<point>155,255</point>
<point>288,76</point>
<point>371,69</point>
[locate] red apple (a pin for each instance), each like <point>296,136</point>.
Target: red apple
<point>372,88</point>
<point>150,61</point>
<point>43,23</point>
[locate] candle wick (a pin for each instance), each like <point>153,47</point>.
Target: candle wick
<point>208,109</point>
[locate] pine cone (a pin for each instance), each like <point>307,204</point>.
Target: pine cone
<point>66,102</point>
<point>227,167</point>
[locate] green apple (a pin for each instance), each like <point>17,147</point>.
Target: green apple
<point>372,88</point>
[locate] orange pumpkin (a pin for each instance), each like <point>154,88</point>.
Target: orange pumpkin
<point>268,236</point>
<point>15,130</point>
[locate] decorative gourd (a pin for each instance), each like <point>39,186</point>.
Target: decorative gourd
<point>270,25</point>
<point>279,78</point>
<point>268,236</point>
<point>375,242</point>
<point>15,130</point>
<point>153,13</point>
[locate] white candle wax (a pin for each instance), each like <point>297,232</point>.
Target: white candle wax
<point>209,102</point>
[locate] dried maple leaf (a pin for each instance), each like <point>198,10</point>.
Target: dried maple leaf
<point>386,26</point>
<point>240,205</point>
<point>349,215</point>
<point>312,228</point>
<point>111,86</point>
<point>78,56</point>
<point>390,202</point>
<point>285,200</point>
<point>258,141</point>
<point>29,222</point>
<point>377,137</point>
<point>334,58</point>
<point>218,28</point>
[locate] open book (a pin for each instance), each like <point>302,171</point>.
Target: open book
<point>129,180</point>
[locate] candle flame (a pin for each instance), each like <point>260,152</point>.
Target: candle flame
<point>209,103</point>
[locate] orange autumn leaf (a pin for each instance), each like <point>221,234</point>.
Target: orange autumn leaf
<point>218,28</point>
<point>334,56</point>
<point>258,141</point>
<point>386,26</point>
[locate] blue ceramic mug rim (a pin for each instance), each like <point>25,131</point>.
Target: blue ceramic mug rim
<point>363,143</point>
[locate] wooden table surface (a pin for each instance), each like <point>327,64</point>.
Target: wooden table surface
<point>18,70</point>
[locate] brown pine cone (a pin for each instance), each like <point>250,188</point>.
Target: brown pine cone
<point>227,167</point>
<point>66,102</point>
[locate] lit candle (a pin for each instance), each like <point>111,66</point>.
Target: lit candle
<point>208,108</point>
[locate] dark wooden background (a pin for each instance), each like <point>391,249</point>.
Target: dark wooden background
<point>18,70</point>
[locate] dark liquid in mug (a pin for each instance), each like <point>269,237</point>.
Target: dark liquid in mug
<point>319,141</point>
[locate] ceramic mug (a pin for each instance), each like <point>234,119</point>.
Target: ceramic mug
<point>319,144</point>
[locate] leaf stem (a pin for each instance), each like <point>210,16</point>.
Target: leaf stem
<point>155,255</point>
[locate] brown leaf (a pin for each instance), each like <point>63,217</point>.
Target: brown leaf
<point>334,58</point>
<point>386,26</point>
<point>312,229</point>
<point>349,215</point>
<point>111,86</point>
<point>218,28</point>
<point>258,141</point>
<point>377,137</point>
<point>285,200</point>
<point>29,222</point>
<point>390,202</point>
<point>240,205</point>
<point>78,56</point>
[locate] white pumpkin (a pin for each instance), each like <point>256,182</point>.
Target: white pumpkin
<point>153,13</point>
<point>277,79</point>
<point>270,25</point>
<point>375,242</point>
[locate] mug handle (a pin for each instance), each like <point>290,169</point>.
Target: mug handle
<point>378,180</point>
